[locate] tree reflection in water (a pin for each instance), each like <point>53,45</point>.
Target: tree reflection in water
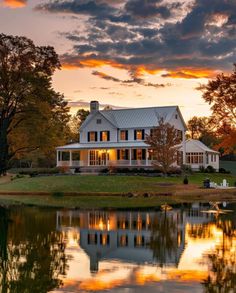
<point>32,253</point>
<point>222,261</point>
<point>164,238</point>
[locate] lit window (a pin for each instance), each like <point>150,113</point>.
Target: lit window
<point>92,136</point>
<point>104,136</point>
<point>139,241</point>
<point>123,240</point>
<point>124,135</point>
<point>139,154</point>
<point>139,134</point>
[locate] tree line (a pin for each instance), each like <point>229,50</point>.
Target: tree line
<point>35,118</point>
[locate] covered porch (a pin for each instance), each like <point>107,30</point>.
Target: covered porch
<point>117,155</point>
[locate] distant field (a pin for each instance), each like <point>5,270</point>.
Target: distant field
<point>229,166</point>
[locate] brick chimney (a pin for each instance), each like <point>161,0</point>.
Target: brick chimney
<point>94,106</point>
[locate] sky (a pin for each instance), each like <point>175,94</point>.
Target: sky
<point>131,53</point>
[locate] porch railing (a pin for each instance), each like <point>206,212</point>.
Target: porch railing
<point>119,163</point>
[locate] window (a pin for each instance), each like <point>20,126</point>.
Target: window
<point>139,154</point>
<point>99,121</point>
<point>123,154</point>
<point>139,241</point>
<point>92,136</point>
<point>139,134</point>
<point>194,158</point>
<point>176,116</point>
<point>180,135</point>
<point>124,135</point>
<point>123,241</point>
<point>92,238</point>
<point>104,239</point>
<point>104,135</point>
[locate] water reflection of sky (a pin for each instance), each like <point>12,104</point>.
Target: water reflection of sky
<point>130,263</point>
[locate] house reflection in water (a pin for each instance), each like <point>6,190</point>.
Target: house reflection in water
<point>135,237</point>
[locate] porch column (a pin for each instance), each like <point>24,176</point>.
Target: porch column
<point>70,158</point>
<point>146,157</point>
<point>58,158</point>
<point>184,148</point>
<point>130,154</point>
<point>88,158</point>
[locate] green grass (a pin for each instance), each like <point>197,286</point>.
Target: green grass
<point>117,184</point>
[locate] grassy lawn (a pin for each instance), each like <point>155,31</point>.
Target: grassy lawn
<point>116,184</point>
<point>88,185</point>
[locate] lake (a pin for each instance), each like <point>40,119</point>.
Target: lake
<point>185,249</point>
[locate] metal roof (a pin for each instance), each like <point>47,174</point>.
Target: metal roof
<point>136,117</point>
<point>190,143</point>
<point>104,145</point>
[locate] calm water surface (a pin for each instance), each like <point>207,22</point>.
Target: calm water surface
<point>182,250</point>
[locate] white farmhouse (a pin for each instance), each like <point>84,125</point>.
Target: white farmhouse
<point>116,138</point>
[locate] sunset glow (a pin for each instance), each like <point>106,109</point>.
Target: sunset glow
<point>148,54</point>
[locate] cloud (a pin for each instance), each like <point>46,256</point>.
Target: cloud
<point>15,3</point>
<point>185,38</point>
<point>134,80</point>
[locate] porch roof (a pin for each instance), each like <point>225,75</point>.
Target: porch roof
<point>103,145</point>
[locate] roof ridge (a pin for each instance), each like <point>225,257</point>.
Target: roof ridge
<point>173,106</point>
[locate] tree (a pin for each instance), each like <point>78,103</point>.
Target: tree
<point>29,106</point>
<point>220,93</point>
<point>76,121</point>
<point>204,129</point>
<point>164,141</point>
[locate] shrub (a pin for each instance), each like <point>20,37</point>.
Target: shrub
<point>185,181</point>
<point>201,169</point>
<point>223,171</point>
<point>36,171</point>
<point>209,169</point>
<point>186,169</point>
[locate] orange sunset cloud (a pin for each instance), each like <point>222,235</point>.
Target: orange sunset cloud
<point>14,3</point>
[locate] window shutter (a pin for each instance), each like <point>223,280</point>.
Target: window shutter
<point>143,134</point>
<point>100,135</point>
<point>126,135</point>
<point>88,136</point>
<point>108,135</point>
<point>96,136</point>
<point>143,154</point>
<point>135,135</point>
<point>118,154</point>
<point>134,154</point>
<point>126,154</point>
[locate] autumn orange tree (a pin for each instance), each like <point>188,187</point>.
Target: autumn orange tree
<point>204,129</point>
<point>220,94</point>
<point>32,114</point>
<point>164,141</point>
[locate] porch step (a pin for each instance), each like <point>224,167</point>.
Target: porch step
<point>92,169</point>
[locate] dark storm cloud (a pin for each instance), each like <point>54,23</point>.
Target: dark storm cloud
<point>153,35</point>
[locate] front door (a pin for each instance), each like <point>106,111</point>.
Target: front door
<point>98,158</point>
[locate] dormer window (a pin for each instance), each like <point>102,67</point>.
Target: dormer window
<point>176,116</point>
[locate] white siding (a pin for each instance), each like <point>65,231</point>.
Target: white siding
<point>93,126</point>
